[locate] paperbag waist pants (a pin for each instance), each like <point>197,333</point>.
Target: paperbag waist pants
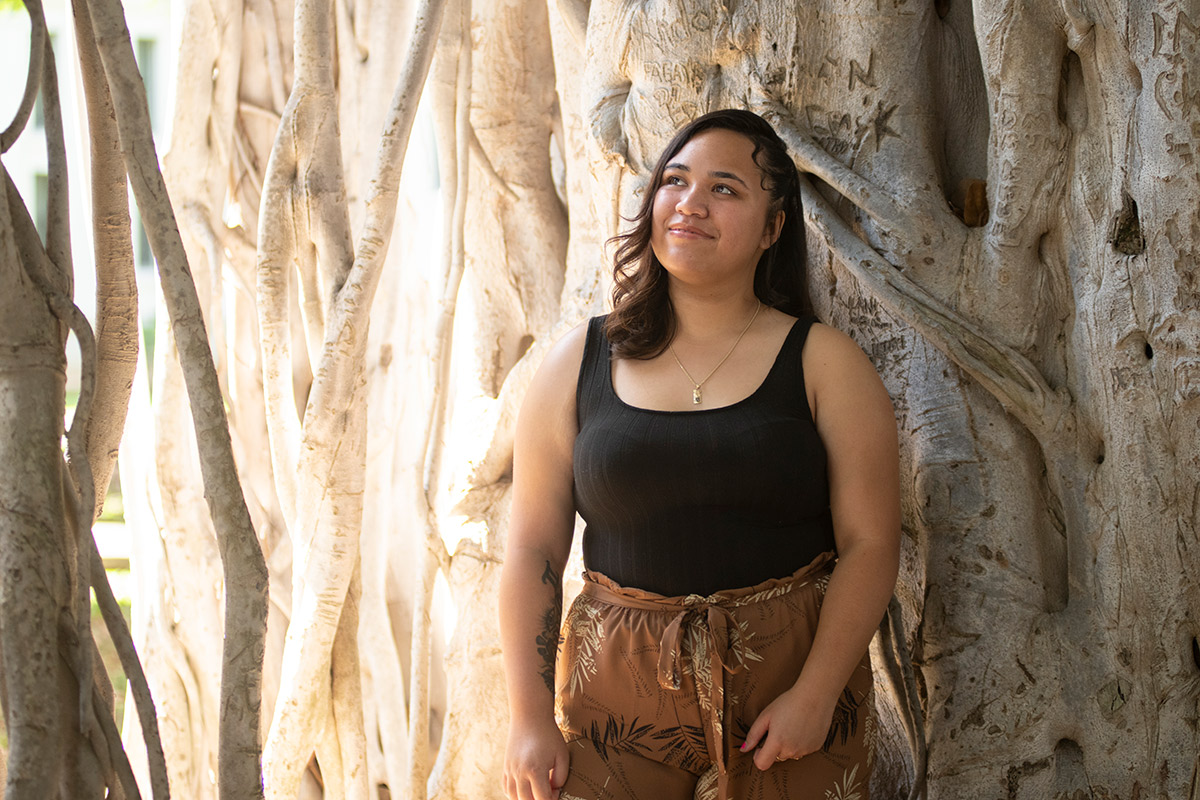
<point>656,694</point>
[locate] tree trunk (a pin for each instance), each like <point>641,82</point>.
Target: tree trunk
<point>33,528</point>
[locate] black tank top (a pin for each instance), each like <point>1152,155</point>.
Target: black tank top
<point>692,502</point>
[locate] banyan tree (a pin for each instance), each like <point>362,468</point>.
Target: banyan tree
<point>1002,209</point>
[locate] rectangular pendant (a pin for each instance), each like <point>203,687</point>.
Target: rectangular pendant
<point>696,396</point>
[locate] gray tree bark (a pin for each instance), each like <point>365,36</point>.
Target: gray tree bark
<point>1000,201</point>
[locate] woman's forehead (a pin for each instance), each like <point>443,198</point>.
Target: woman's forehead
<point>722,153</point>
<point>718,141</point>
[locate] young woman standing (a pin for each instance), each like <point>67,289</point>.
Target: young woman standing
<point>736,464</point>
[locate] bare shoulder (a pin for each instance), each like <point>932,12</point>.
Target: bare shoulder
<point>559,370</point>
<point>551,395</point>
<point>826,344</point>
<point>839,375</point>
<point>567,352</point>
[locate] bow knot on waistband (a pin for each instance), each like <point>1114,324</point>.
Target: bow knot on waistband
<point>715,634</point>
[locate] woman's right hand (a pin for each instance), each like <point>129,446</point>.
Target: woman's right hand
<point>536,761</point>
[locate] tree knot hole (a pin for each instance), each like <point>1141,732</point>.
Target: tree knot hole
<point>942,7</point>
<point>1127,235</point>
<point>1149,351</point>
<point>969,202</point>
<point>1068,746</point>
<point>1196,651</point>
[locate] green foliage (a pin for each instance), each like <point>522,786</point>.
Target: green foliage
<point>114,506</point>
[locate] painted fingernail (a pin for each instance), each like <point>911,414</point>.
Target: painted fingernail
<point>743,747</point>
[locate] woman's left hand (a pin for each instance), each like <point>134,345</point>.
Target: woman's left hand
<point>792,726</point>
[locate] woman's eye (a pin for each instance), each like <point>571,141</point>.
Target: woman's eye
<point>673,180</point>
<point>723,189</point>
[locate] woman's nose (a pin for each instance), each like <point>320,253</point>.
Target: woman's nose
<point>691,202</point>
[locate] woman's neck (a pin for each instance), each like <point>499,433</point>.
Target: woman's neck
<point>700,318</point>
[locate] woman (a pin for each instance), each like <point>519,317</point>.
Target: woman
<point>721,451</point>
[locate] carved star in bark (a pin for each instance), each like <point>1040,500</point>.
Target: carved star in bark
<point>882,129</point>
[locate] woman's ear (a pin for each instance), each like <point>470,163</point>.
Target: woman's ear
<point>773,229</point>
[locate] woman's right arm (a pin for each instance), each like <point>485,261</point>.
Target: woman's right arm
<point>539,541</point>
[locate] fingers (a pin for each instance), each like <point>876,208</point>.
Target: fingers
<point>760,733</point>
<point>766,756</point>
<point>558,773</point>
<point>536,764</point>
<point>538,788</point>
<point>771,753</point>
<point>542,790</point>
<point>755,734</point>
<point>771,749</point>
<point>516,788</point>
<point>534,787</point>
<point>774,750</point>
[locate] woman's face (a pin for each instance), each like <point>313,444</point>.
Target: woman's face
<point>710,216</point>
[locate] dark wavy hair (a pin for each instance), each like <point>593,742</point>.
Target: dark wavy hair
<point>642,322</point>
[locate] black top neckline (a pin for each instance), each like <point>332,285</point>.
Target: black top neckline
<point>775,366</point>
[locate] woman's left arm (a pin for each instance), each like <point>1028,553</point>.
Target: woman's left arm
<point>854,417</point>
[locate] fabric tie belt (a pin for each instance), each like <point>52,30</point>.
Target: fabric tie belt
<point>704,630</point>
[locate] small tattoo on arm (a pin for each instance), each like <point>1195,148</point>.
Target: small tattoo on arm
<point>548,639</point>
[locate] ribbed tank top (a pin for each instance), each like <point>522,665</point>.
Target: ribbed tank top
<point>693,502</point>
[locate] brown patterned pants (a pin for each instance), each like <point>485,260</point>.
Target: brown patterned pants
<point>655,692</point>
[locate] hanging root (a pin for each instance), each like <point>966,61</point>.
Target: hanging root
<point>116,753</point>
<point>899,670</point>
<point>244,568</point>
<point>33,80</point>
<point>139,687</point>
<point>433,555</point>
<point>99,730</point>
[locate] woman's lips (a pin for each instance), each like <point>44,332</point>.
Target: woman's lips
<point>687,231</point>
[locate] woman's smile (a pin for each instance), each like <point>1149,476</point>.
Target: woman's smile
<point>686,231</point>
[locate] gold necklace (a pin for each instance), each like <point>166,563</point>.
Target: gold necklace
<point>696,386</point>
